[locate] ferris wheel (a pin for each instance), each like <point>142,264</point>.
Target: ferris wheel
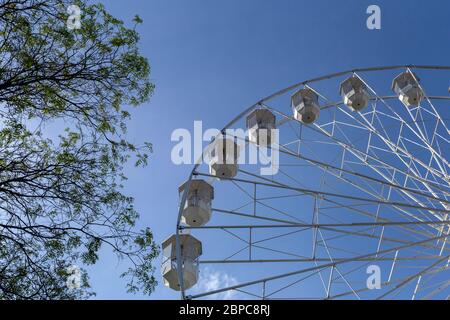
<point>356,207</point>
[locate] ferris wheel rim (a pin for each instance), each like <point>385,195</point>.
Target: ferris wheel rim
<point>260,103</point>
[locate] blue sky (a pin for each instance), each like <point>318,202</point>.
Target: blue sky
<point>211,59</point>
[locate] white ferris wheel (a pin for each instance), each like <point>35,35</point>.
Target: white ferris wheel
<point>357,207</point>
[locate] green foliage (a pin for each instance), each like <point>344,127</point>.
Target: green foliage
<point>60,197</point>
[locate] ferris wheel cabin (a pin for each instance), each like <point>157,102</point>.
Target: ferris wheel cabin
<point>260,124</point>
<point>354,93</point>
<point>197,208</point>
<point>191,250</point>
<point>407,88</point>
<point>224,158</point>
<point>305,104</point>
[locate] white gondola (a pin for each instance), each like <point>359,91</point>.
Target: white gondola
<point>191,250</point>
<point>224,155</point>
<point>197,208</point>
<point>354,93</point>
<point>407,89</point>
<point>260,124</point>
<point>305,104</point>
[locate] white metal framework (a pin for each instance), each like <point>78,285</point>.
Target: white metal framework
<point>359,187</point>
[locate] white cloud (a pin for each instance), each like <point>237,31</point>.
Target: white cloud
<point>211,280</point>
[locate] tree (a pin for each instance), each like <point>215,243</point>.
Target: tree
<point>61,196</point>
